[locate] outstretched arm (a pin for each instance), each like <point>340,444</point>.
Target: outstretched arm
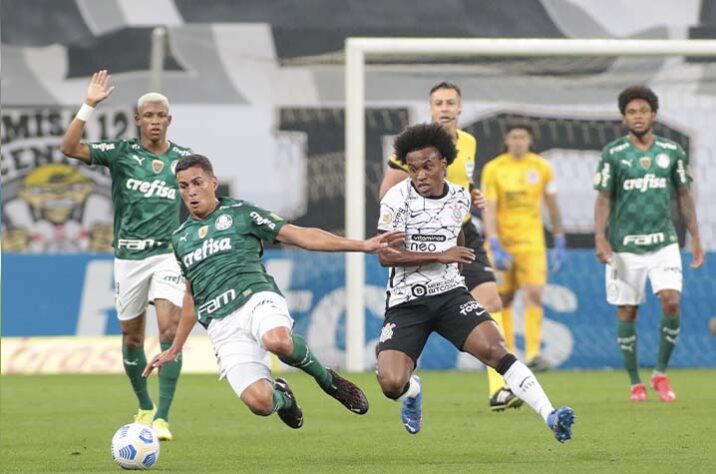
<point>688,213</point>
<point>186,324</point>
<point>313,238</point>
<point>97,91</point>
<point>602,209</point>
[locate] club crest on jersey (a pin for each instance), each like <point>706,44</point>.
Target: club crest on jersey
<point>457,213</point>
<point>203,230</point>
<point>174,166</point>
<point>223,222</point>
<point>532,176</point>
<point>386,216</point>
<point>662,160</point>
<point>645,162</point>
<point>157,166</point>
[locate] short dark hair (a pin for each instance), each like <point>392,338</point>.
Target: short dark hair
<point>186,162</point>
<point>446,85</point>
<point>638,92</point>
<point>519,126</point>
<point>422,136</point>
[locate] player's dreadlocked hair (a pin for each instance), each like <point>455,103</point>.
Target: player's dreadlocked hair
<point>638,92</point>
<point>422,136</point>
<point>186,162</point>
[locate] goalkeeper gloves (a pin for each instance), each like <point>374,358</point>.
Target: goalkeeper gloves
<point>558,253</point>
<point>500,258</point>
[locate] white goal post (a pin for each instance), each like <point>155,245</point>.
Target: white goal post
<point>358,50</point>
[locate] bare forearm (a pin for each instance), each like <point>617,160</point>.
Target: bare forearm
<point>405,258</point>
<point>489,218</point>
<point>72,145</point>
<point>555,217</point>
<point>313,238</point>
<point>601,216</point>
<point>186,323</point>
<point>688,213</point>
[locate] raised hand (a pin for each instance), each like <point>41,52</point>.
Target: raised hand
<point>99,88</point>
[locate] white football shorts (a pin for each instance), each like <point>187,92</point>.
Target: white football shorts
<point>237,338</point>
<point>627,273</point>
<point>137,282</point>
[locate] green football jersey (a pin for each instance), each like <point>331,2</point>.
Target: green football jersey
<point>640,184</point>
<point>145,195</point>
<point>221,256</point>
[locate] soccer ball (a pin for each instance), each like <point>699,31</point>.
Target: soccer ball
<point>135,447</point>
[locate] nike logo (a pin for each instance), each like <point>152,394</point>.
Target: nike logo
<point>130,362</point>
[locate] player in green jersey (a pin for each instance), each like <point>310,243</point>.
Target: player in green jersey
<point>146,212</point>
<point>634,234</point>
<point>219,249</point>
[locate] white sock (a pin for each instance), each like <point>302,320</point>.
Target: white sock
<point>524,384</point>
<point>413,389</point>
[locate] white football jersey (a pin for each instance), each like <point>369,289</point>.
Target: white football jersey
<point>431,224</point>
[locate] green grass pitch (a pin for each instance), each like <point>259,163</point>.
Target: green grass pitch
<point>65,424</point>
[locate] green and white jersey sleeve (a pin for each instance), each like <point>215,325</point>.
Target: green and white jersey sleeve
<point>145,195</point>
<point>640,184</point>
<point>221,256</point>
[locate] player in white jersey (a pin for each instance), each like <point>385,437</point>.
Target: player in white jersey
<point>426,292</point>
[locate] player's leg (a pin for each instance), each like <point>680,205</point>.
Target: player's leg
<point>531,275</point>
<point>508,323</point>
<point>666,281</point>
<point>246,365</point>
<point>272,324</point>
<point>534,316</point>
<point>481,282</point>
<point>132,290</point>
<point>625,280</point>
<point>134,361</point>
<point>470,328</point>
<point>168,315</point>
<point>167,292</point>
<point>500,397</point>
<point>405,331</point>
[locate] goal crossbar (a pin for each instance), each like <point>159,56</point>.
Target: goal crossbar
<point>358,50</point>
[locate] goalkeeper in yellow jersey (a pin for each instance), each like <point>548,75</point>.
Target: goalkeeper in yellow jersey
<point>515,184</point>
<point>445,101</point>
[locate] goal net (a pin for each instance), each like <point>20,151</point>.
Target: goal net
<point>566,89</point>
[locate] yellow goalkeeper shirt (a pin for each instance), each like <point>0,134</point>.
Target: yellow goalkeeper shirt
<point>517,185</point>
<point>460,171</point>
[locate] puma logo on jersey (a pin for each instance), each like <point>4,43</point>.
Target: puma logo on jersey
<point>157,188</point>
<point>208,248</point>
<point>625,162</point>
<point>139,160</point>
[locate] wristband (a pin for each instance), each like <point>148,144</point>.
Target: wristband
<point>85,112</point>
